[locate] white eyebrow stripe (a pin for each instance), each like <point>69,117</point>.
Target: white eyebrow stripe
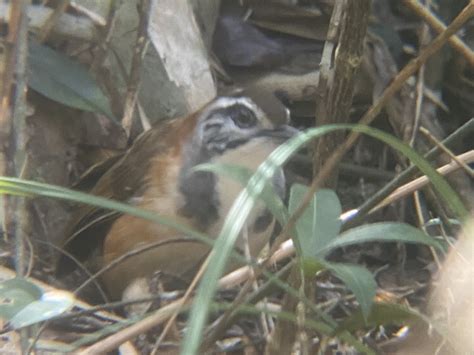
<point>224,102</point>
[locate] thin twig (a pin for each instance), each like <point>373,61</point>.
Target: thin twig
<point>19,132</point>
<point>439,27</point>
<point>340,92</point>
<point>96,18</point>
<point>129,254</point>
<point>420,84</point>
<point>417,184</point>
<point>325,63</point>
<point>222,323</point>
<point>52,20</point>
<point>418,105</point>
<point>78,265</point>
<point>446,150</point>
<point>375,109</point>
<point>123,335</point>
<point>10,42</point>
<point>182,302</point>
<point>172,307</point>
<point>6,121</point>
<point>463,131</point>
<point>285,250</point>
<point>136,67</point>
<point>68,26</point>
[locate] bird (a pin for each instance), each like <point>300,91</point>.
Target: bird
<point>157,174</point>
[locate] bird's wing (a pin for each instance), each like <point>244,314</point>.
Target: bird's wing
<point>124,180</point>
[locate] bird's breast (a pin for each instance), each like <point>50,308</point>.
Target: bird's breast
<point>259,224</point>
<point>165,197</point>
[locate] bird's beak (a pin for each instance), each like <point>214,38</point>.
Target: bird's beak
<point>281,133</point>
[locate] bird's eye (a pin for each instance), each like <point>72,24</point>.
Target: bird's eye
<point>244,118</point>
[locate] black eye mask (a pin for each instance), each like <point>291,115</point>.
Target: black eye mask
<point>242,116</point>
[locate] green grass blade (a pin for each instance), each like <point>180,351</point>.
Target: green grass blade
<point>244,203</point>
<point>359,280</point>
<point>14,186</point>
<point>380,232</point>
<point>272,201</point>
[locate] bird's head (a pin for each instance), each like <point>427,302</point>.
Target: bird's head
<point>228,123</point>
<point>229,130</point>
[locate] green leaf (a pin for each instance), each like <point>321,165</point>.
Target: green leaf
<point>59,78</point>
<point>48,306</point>
<point>244,203</point>
<point>359,280</point>
<point>225,242</point>
<point>319,223</point>
<point>381,232</point>
<point>15,294</point>
<point>381,314</point>
<point>241,209</point>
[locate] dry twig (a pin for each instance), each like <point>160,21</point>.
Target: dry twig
<point>52,20</point>
<point>67,25</point>
<point>136,67</point>
<point>376,108</point>
<point>439,27</point>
